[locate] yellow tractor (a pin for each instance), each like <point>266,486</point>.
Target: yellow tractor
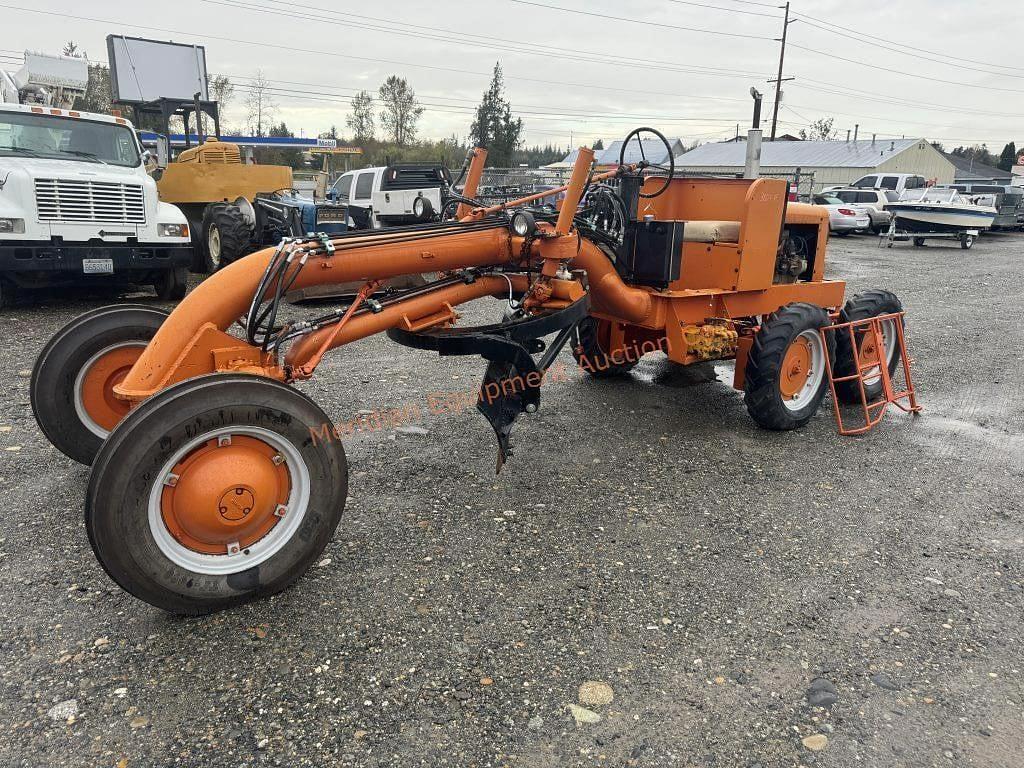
<point>217,192</point>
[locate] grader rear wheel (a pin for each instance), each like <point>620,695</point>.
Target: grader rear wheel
<point>591,354</point>
<point>861,307</point>
<point>786,374</point>
<point>215,492</point>
<point>73,380</point>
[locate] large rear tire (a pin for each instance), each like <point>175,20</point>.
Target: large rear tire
<point>591,354</point>
<point>861,307</point>
<point>71,389</point>
<point>226,235</point>
<point>215,492</point>
<point>785,377</point>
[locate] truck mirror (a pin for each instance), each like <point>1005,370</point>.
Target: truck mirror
<point>163,151</point>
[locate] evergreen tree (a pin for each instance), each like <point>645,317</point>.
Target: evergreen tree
<point>1008,157</point>
<point>494,126</point>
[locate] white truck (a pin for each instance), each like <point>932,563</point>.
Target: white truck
<point>392,195</point>
<point>77,205</point>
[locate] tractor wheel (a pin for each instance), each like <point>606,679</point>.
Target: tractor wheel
<point>786,376</point>
<point>172,285</point>
<point>861,307</point>
<point>594,337</point>
<point>72,383</point>
<point>216,491</point>
<point>226,234</point>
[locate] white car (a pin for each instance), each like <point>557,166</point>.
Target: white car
<point>843,218</point>
<point>875,200</point>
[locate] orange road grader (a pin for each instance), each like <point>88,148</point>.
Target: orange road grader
<point>211,482</point>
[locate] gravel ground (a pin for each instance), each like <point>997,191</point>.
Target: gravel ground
<point>740,598</point>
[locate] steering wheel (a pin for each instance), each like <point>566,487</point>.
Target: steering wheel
<point>635,133</point>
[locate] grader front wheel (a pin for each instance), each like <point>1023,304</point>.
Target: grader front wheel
<point>216,491</point>
<point>786,370</point>
<point>72,384</point>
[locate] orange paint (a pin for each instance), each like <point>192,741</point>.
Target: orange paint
<point>225,494</point>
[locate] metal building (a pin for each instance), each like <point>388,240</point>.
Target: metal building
<point>828,162</point>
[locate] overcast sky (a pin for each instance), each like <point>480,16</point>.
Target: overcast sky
<point>585,76</point>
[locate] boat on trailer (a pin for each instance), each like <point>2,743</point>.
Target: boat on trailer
<point>933,210</point>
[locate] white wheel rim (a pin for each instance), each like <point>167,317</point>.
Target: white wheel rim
<point>874,375</point>
<point>815,374</point>
<point>257,552</point>
<point>83,415</point>
<point>214,245</point>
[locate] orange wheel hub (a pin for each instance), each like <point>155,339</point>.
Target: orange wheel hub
<point>868,349</point>
<point>225,495</point>
<point>796,368</point>
<point>98,382</point>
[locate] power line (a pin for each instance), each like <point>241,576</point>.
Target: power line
<point>903,45</point>
<point>943,61</point>
<point>640,21</point>
<point>488,42</point>
<point>728,10</point>
<point>900,72</point>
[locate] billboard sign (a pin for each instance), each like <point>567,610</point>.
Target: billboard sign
<point>147,70</point>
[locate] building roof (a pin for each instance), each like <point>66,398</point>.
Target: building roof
<point>968,169</point>
<point>654,152</point>
<point>805,154</point>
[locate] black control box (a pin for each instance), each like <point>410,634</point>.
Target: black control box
<point>657,252</point>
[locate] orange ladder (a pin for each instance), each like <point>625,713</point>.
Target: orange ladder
<point>867,357</point>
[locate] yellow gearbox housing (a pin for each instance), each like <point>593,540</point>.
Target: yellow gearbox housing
<point>711,341</point>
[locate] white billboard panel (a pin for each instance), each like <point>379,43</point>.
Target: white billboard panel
<point>146,70</point>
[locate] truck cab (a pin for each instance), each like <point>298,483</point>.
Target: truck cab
<point>392,195</point>
<point>77,205</point>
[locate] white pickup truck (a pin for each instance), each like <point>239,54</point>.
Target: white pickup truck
<point>392,195</point>
<point>76,203</point>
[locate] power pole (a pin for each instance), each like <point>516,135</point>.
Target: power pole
<point>779,80</point>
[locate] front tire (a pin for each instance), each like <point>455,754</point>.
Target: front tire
<point>226,235</point>
<point>71,389</point>
<point>172,284</point>
<point>786,377</point>
<point>215,492</point>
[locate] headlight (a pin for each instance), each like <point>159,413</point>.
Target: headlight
<point>522,224</point>
<point>172,230</point>
<point>12,226</point>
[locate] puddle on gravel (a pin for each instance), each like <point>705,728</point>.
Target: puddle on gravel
<point>662,372</point>
<point>961,436</point>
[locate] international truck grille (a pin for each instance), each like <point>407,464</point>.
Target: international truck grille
<point>79,200</point>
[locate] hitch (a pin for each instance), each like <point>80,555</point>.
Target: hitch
<point>511,383</point>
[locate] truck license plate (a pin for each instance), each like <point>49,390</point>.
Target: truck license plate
<point>98,266</point>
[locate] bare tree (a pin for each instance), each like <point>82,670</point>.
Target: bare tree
<point>822,129</point>
<point>222,90</point>
<point>260,104</point>
<point>400,111</point>
<point>361,121</point>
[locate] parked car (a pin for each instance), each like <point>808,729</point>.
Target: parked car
<point>897,182</point>
<point>843,218</point>
<point>875,200</point>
